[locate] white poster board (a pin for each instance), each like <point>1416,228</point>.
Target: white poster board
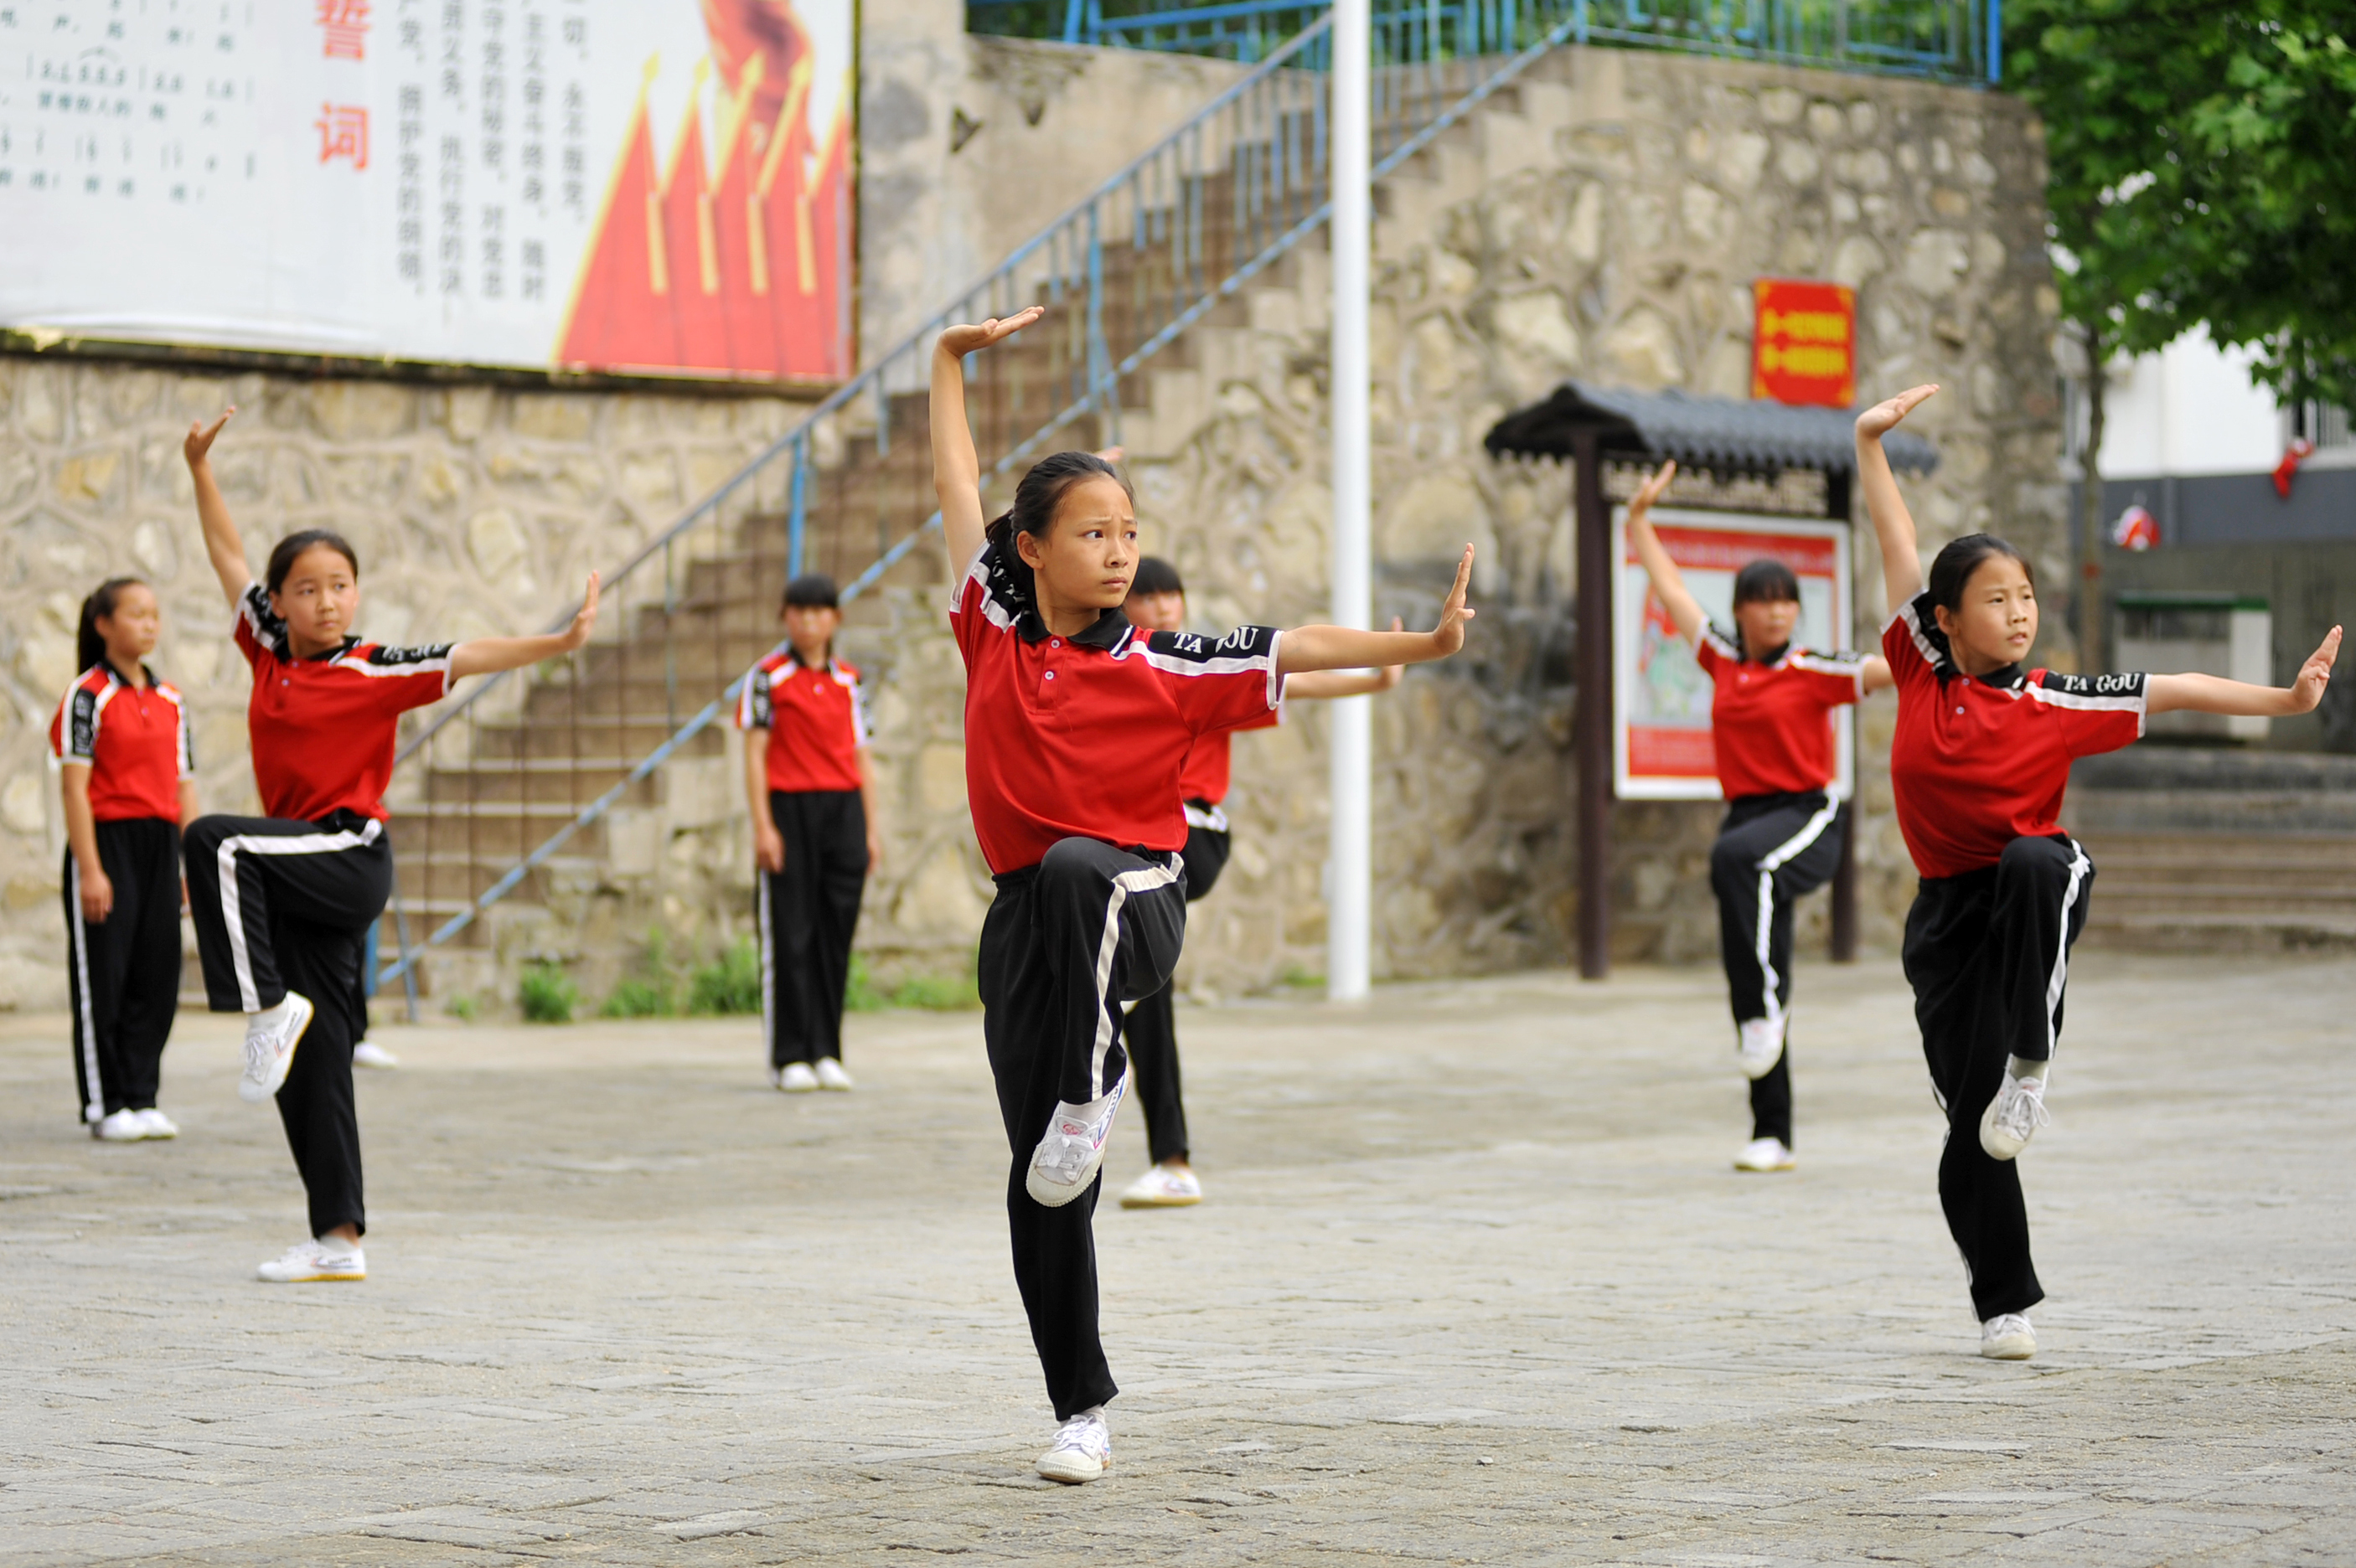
<point>646,186</point>
<point>1660,742</point>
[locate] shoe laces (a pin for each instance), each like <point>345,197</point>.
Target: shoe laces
<point>2005,1324</point>
<point>2020,1106</point>
<point>1086,1434</point>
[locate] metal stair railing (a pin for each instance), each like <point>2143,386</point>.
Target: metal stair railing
<point>1946,40</point>
<point>1126,270</point>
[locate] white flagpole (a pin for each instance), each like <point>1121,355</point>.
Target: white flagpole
<point>1349,873</point>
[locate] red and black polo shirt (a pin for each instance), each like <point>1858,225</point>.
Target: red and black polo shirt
<point>815,720</point>
<point>323,728</point>
<point>1083,737</point>
<point>133,739</point>
<point>1771,721</point>
<point>1979,763</point>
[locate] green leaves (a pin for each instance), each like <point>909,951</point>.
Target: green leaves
<point>2202,167</point>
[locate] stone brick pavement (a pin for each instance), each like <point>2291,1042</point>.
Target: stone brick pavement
<point>1476,1284</point>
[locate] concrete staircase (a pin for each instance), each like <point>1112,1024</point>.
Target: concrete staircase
<point>2218,849</point>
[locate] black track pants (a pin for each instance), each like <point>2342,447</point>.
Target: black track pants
<point>1772,849</point>
<point>807,913</point>
<point>1065,943</point>
<point>1152,1034</point>
<point>1988,954</point>
<point>123,974</point>
<point>284,906</point>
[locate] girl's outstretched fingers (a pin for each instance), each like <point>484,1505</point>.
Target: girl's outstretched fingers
<point>1449,636</point>
<point>966,338</point>
<point>1655,485</point>
<point>2315,673</point>
<point>584,619</point>
<point>1884,415</point>
<point>201,436</point>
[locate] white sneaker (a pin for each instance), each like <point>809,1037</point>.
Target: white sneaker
<point>1765,1154</point>
<point>796,1078</point>
<point>2006,1336</point>
<point>1082,1451</point>
<point>1163,1187</point>
<point>367,1054</point>
<point>1759,1048</point>
<point>312,1260</point>
<point>830,1075</point>
<point>1067,1157</point>
<point>157,1124</point>
<point>270,1040</point>
<point>2018,1110</point>
<point>119,1127</point>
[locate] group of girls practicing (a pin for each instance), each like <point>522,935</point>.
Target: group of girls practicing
<point>811,790</point>
<point>1077,728</point>
<point>283,902</point>
<point>1978,768</point>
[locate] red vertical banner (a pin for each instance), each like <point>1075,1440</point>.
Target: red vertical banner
<point>1803,342</point>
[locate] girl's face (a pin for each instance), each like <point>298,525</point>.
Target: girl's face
<point>1089,553</point>
<point>1157,612</point>
<point>131,631</point>
<point>1997,621</point>
<point>811,627</point>
<point>1766,623</point>
<point>319,600</point>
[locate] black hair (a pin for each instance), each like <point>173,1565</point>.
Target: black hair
<point>1951,571</point>
<point>1766,582</point>
<point>89,644</point>
<point>1155,575</point>
<point>283,553</point>
<point>812,591</point>
<point>1042,490</point>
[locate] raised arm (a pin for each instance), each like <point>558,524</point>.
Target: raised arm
<point>1893,525</point>
<point>226,551</point>
<point>2214,694</point>
<point>1345,647</point>
<point>1324,684</point>
<point>483,655</point>
<point>957,468</point>
<point>1668,582</point>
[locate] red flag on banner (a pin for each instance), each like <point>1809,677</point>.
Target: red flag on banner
<point>743,305</point>
<point>694,246</point>
<point>620,313</point>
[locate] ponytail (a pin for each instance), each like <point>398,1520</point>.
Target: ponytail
<point>89,643</point>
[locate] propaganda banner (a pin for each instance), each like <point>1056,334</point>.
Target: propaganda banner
<point>646,186</point>
<point>1803,342</point>
<point>1661,747</point>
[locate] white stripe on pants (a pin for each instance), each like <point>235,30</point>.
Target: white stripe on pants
<point>258,844</point>
<point>1108,947</point>
<point>1774,861</point>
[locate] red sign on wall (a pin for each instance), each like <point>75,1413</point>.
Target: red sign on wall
<point>1803,342</point>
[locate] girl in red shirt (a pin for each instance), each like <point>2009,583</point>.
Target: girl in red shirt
<point>1978,768</point>
<point>128,775</point>
<point>1077,727</point>
<point>1770,722</point>
<point>812,791</point>
<point>284,903</point>
<point>1157,603</point>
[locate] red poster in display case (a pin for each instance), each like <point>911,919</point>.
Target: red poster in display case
<point>1803,342</point>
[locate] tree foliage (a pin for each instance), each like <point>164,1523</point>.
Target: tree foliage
<point>2201,163</point>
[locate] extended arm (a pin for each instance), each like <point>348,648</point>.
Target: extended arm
<point>1877,674</point>
<point>1893,525</point>
<point>222,546</point>
<point>81,836</point>
<point>1305,649</point>
<point>2214,694</point>
<point>483,655</point>
<point>1324,684</point>
<point>1668,582</point>
<point>957,468</point>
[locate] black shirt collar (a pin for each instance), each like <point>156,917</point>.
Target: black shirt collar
<point>2008,678</point>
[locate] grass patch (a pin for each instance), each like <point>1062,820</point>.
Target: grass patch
<point>547,995</point>
<point>730,985</point>
<point>653,991</point>
<point>462,1007</point>
<point>1300,979</point>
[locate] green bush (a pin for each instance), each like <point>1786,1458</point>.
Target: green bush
<point>461,1006</point>
<point>547,995</point>
<point>730,985</point>
<point>937,993</point>
<point>860,996</point>
<point>641,998</point>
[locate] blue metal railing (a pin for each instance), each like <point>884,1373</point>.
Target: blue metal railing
<point>1947,41</point>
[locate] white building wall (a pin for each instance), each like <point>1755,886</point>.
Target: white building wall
<point>2188,410</point>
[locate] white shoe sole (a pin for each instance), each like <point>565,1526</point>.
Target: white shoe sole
<point>321,1278</point>
<point>1135,1199</point>
<point>1072,1469</point>
<point>1995,1144</point>
<point>1753,1168</point>
<point>254,1093</point>
<point>2010,1348</point>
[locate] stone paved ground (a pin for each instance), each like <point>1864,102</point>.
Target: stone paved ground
<point>1476,1285</point>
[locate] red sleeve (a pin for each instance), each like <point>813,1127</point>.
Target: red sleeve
<point>1915,647</point>
<point>1216,685</point>
<point>981,604</point>
<point>256,629</point>
<point>403,677</point>
<point>1834,679</point>
<point>2098,713</point>
<point>1714,649</point>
